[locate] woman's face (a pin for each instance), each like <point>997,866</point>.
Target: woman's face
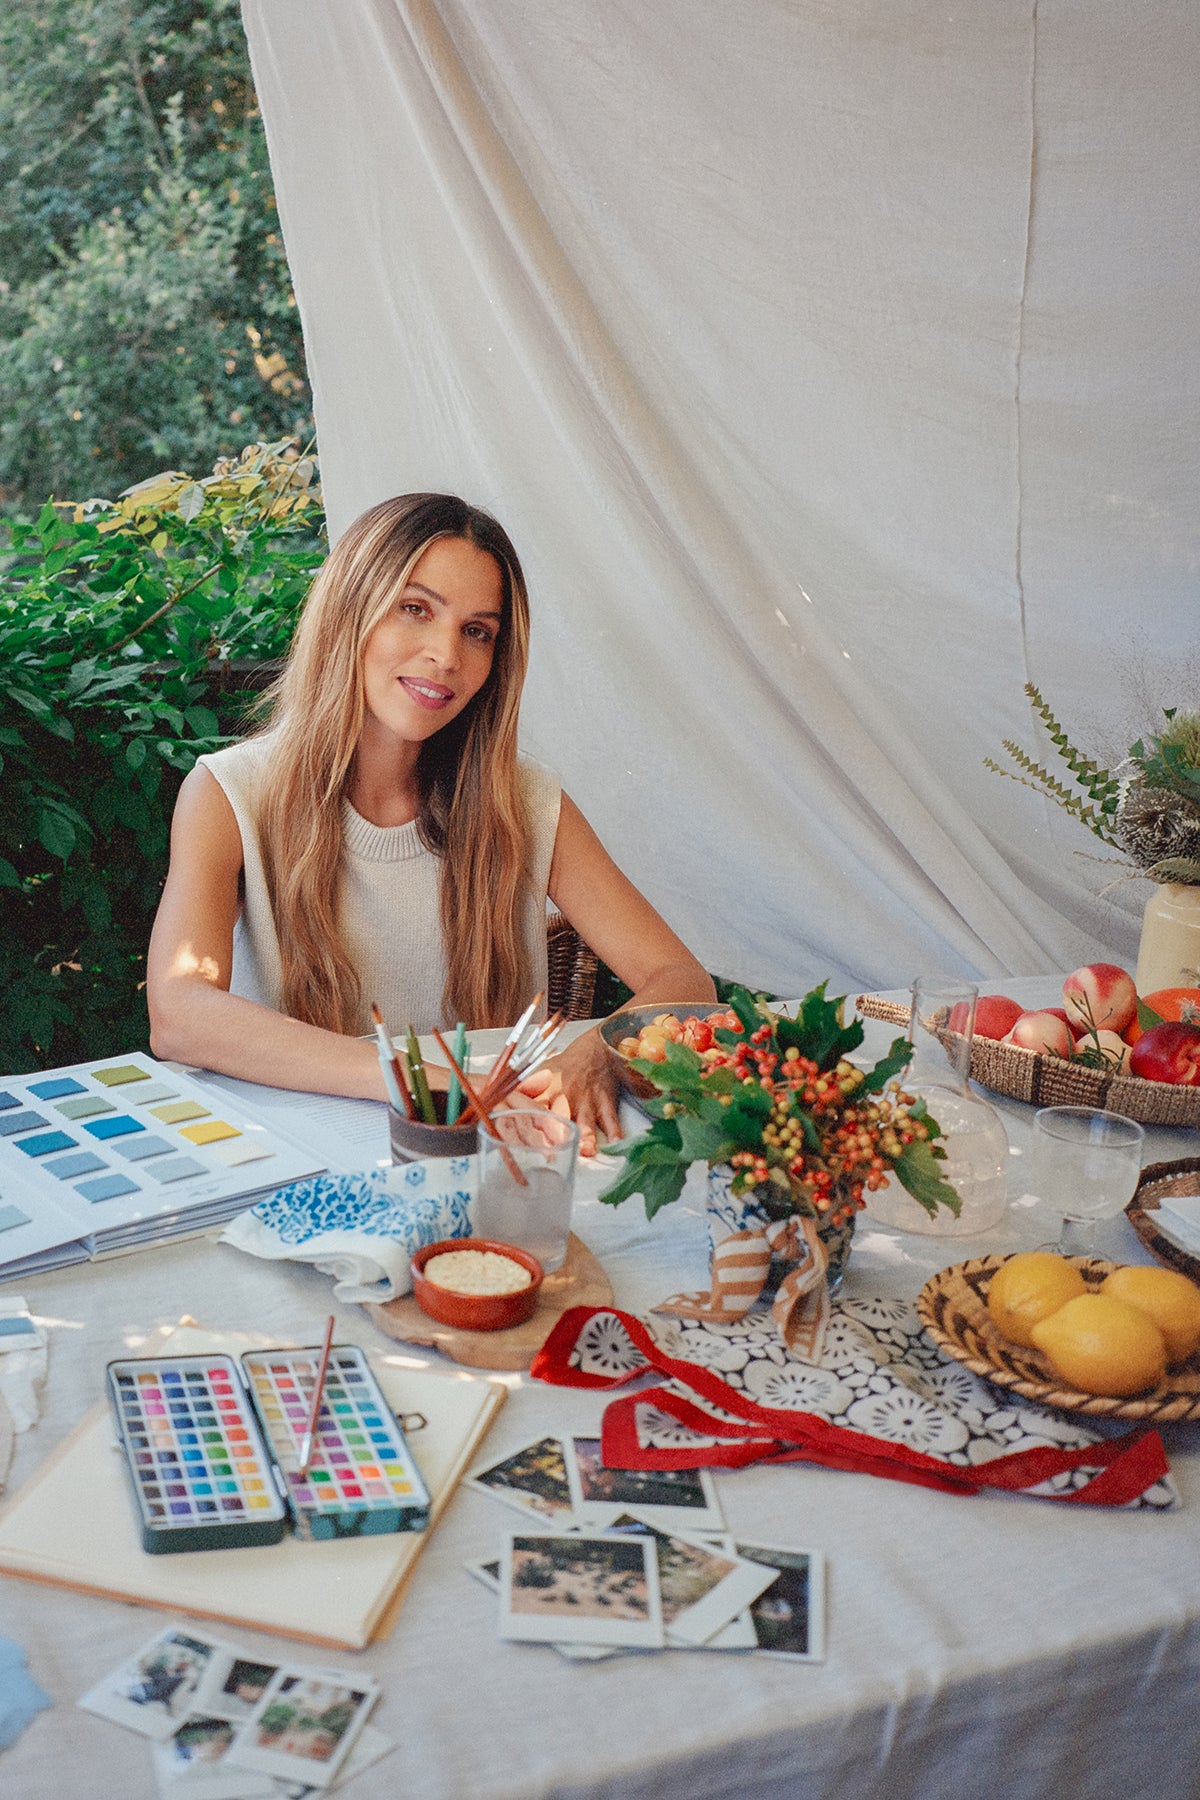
<point>433,650</point>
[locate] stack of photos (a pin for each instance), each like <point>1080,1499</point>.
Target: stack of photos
<point>612,1560</point>
<point>225,1725</point>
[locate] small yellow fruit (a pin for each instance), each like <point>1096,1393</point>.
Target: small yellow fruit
<point>1103,1346</point>
<point>1030,1287</point>
<point>1171,1300</point>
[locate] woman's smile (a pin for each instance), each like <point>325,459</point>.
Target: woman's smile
<point>433,650</point>
<point>426,693</point>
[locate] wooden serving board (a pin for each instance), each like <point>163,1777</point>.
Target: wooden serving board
<point>580,1282</point>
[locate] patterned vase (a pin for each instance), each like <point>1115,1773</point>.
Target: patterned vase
<point>730,1213</point>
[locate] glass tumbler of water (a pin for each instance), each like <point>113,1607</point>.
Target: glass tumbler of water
<point>1086,1164</point>
<point>526,1182</point>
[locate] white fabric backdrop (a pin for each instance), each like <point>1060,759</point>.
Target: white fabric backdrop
<point>834,370</point>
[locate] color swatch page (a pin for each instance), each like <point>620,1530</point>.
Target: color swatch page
<point>112,1155</point>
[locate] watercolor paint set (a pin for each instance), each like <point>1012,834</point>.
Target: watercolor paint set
<point>113,1155</point>
<point>212,1447</point>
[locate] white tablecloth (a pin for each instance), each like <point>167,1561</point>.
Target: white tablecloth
<point>976,1647</point>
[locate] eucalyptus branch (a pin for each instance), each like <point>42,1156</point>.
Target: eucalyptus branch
<point>1100,783</point>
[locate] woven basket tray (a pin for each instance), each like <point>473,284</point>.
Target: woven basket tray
<point>952,1306</point>
<point>1157,1181</point>
<point>1049,1081</point>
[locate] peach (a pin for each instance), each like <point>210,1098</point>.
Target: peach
<point>1100,995</point>
<point>1075,1026</point>
<point>1115,1049</point>
<point>994,1015</point>
<point>1041,1031</point>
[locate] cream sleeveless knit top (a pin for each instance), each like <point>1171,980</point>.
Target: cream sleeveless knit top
<point>388,900</point>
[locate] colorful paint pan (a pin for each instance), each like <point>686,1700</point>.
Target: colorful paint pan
<point>201,1472</point>
<point>362,1479</point>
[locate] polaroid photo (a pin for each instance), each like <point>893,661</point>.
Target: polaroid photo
<point>533,1479</point>
<point>305,1725</point>
<point>672,1499</point>
<point>789,1616</point>
<point>156,1690</point>
<point>580,1588</point>
<point>488,1572</point>
<point>703,1589</point>
<point>194,1764</point>
<point>233,1688</point>
<point>368,1747</point>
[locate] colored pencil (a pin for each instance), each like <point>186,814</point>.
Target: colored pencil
<point>393,1074</point>
<point>420,1081</point>
<point>306,1442</point>
<point>454,1098</point>
<point>513,1166</point>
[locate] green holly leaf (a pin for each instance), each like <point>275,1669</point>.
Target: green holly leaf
<point>893,1064</point>
<point>917,1171</point>
<point>702,1139</point>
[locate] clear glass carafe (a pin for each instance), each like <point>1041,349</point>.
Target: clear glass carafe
<point>942,1029</point>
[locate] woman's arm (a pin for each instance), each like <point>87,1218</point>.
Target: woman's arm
<point>193,1016</point>
<point>624,930</point>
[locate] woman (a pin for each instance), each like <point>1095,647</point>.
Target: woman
<point>382,841</point>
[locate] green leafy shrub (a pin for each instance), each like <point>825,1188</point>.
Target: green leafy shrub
<point>129,633</point>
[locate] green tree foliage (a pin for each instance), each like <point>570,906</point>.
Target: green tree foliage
<point>146,312</point>
<point>119,623</point>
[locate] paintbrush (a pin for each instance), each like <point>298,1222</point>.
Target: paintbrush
<point>511,1163</point>
<point>528,1056</point>
<point>393,1074</point>
<point>306,1442</point>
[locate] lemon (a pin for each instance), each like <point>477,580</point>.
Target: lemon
<point>1030,1287</point>
<point>1171,1300</point>
<point>1103,1346</point>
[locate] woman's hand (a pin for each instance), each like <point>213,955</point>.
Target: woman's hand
<point>581,1084</point>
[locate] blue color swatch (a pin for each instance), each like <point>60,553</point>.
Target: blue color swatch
<point>121,1126</point>
<point>68,1167</point>
<point>19,1121</point>
<point>107,1187</point>
<point>43,1142</point>
<point>54,1090</point>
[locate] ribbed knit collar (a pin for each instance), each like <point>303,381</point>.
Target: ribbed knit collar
<point>380,843</point>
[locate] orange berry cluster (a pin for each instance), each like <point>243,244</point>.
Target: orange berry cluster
<point>857,1137</point>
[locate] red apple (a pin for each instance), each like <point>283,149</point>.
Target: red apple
<point>1100,994</point>
<point>995,1014</point>
<point>1169,1052</point>
<point>1041,1031</point>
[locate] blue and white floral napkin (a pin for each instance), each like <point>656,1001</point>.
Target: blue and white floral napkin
<point>362,1229</point>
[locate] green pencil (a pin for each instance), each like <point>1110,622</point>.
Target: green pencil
<point>462,1051</point>
<point>420,1081</point>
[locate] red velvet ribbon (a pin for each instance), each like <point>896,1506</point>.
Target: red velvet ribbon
<point>1127,1465</point>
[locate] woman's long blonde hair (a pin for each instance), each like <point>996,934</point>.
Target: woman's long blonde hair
<point>471,810</point>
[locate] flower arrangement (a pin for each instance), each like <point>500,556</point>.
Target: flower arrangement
<point>1149,807</point>
<point>777,1099</point>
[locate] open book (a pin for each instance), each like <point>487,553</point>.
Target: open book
<point>74,1525</point>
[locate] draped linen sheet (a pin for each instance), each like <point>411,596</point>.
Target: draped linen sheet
<point>835,372</point>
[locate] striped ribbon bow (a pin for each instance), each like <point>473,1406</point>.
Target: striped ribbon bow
<point>740,1265</point>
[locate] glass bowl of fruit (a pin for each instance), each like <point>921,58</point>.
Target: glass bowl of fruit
<point>643,1031</point>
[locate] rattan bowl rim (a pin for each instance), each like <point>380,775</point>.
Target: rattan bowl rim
<point>1168,1403</point>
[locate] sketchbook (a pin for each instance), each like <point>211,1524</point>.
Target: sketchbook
<point>73,1524</point>
<point>110,1156</point>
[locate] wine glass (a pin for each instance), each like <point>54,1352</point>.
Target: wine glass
<point>1087,1163</point>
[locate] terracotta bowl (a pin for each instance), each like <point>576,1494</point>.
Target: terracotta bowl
<point>476,1312</point>
<point>630,1021</point>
